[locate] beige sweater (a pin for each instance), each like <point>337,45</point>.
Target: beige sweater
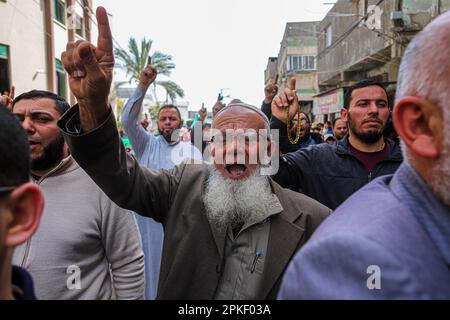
<point>86,247</point>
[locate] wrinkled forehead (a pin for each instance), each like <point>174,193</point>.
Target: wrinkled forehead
<point>237,117</point>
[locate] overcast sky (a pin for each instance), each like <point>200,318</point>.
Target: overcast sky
<point>215,44</point>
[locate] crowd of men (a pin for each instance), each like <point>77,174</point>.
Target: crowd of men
<point>262,204</point>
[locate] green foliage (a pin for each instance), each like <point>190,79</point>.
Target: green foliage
<point>134,62</point>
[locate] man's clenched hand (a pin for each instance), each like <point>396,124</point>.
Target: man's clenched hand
<point>90,72</point>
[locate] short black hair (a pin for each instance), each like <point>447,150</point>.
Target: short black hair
<point>336,120</point>
<point>307,117</point>
<point>360,85</point>
<point>169,106</point>
<point>61,104</point>
<point>14,151</point>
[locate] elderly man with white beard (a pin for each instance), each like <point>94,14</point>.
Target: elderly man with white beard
<point>391,240</point>
<point>229,232</point>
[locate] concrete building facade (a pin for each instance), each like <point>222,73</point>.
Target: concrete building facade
<point>366,39</point>
<point>37,34</point>
<point>297,59</point>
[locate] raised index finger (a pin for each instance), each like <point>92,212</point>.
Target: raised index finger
<point>12,92</point>
<point>104,42</point>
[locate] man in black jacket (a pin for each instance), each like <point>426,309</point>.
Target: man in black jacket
<point>332,173</point>
<point>270,91</point>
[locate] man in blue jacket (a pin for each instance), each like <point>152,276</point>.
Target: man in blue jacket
<point>391,240</point>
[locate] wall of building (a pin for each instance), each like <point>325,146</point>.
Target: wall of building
<point>35,40</point>
<point>355,48</point>
<point>299,39</point>
<point>370,48</point>
<point>23,32</point>
<point>271,69</point>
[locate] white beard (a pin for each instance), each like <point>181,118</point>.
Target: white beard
<point>232,202</point>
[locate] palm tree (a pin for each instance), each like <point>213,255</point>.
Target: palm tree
<point>135,60</point>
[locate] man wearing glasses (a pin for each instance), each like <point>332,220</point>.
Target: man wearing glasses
<point>21,205</point>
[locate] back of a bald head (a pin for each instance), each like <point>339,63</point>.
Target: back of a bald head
<point>425,67</point>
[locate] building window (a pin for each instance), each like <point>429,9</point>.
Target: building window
<point>4,69</point>
<point>328,36</point>
<point>80,26</point>
<point>309,63</point>
<point>61,79</point>
<point>301,63</point>
<point>444,5</point>
<point>60,11</point>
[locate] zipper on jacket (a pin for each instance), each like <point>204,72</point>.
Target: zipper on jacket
<point>27,248</point>
<point>370,176</point>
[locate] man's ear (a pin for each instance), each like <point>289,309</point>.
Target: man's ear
<point>26,204</point>
<point>419,123</point>
<point>344,114</point>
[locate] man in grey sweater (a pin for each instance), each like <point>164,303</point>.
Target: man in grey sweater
<point>86,247</point>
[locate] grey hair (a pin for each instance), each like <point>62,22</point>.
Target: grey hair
<point>250,107</point>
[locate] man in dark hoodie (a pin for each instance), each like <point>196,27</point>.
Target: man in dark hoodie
<point>21,205</point>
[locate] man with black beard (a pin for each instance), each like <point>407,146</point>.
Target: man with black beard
<point>332,173</point>
<point>230,243</point>
<point>86,247</point>
<point>391,240</point>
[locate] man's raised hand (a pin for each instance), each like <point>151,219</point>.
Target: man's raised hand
<point>7,100</point>
<point>286,99</point>
<point>90,72</point>
<point>148,76</point>
<point>203,113</point>
<point>270,90</point>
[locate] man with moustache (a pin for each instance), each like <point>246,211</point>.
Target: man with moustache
<point>391,239</point>
<point>155,152</point>
<point>86,247</point>
<point>340,129</point>
<point>332,173</point>
<point>217,218</point>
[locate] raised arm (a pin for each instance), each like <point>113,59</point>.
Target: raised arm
<point>270,91</point>
<point>8,99</point>
<point>139,137</point>
<point>91,133</point>
<point>90,72</point>
<point>293,166</point>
